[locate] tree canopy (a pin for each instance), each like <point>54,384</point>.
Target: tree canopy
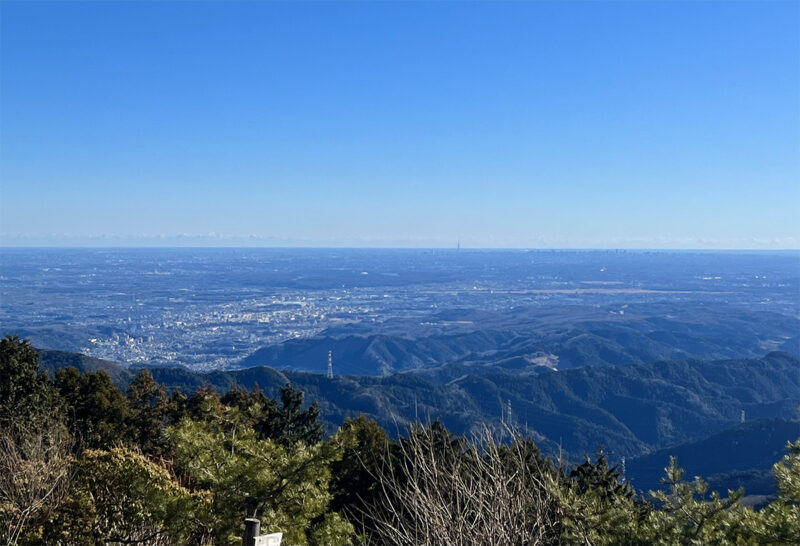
<point>82,463</point>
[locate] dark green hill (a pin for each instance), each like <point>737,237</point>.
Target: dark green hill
<point>527,338</point>
<point>375,354</point>
<point>630,410</point>
<point>740,456</point>
<point>50,361</point>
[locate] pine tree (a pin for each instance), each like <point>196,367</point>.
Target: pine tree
<point>289,423</point>
<point>24,390</point>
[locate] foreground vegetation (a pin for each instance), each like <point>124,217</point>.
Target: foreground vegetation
<point>82,463</point>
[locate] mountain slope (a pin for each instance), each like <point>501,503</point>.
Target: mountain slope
<point>743,453</point>
<point>50,361</point>
<point>527,338</point>
<point>631,410</point>
<point>628,409</point>
<point>374,354</point>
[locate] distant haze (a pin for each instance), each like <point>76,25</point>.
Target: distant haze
<point>514,124</point>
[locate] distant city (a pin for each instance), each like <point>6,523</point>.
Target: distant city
<point>211,308</point>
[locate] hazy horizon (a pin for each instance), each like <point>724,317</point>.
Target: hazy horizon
<point>192,244</point>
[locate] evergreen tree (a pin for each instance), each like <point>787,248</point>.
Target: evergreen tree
<point>203,404</point>
<point>689,514</point>
<point>286,486</point>
<point>289,423</point>
<point>353,481</point>
<point>96,411</point>
<point>779,521</point>
<point>598,476</point>
<point>121,497</point>
<point>24,390</point>
<point>149,414</point>
<point>252,404</point>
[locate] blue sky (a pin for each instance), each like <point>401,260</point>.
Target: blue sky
<point>519,124</point>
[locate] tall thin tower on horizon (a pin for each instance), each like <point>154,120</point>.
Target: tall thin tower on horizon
<point>330,364</point>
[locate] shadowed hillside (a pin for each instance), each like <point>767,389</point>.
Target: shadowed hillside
<point>528,339</point>
<point>628,409</point>
<point>738,457</point>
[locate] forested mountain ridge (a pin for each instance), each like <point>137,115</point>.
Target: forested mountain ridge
<point>86,463</point>
<point>50,361</point>
<point>741,456</point>
<point>528,339</point>
<point>630,410</point>
<point>376,354</point>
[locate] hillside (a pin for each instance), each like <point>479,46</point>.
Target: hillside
<point>526,339</point>
<point>50,361</point>
<point>739,456</point>
<point>629,409</point>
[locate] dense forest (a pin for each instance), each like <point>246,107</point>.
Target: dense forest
<point>631,410</point>
<point>83,462</point>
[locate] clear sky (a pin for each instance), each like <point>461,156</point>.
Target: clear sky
<point>521,124</point>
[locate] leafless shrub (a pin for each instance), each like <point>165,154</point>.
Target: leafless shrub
<point>478,492</point>
<point>35,463</point>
